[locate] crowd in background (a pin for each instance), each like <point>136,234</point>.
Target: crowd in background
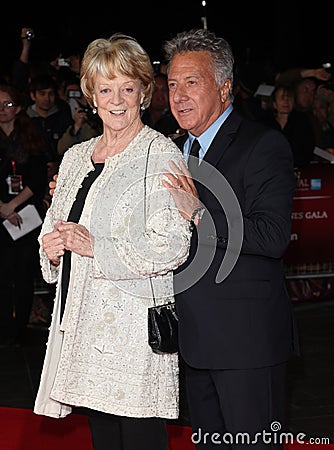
<point>43,113</point>
<point>306,90</point>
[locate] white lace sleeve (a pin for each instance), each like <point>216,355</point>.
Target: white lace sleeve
<point>49,272</point>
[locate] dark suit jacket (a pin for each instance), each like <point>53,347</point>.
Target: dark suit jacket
<point>246,320</point>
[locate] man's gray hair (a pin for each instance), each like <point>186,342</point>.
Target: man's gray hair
<point>203,40</point>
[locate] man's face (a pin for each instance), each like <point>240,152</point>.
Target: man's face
<point>195,99</point>
<point>44,99</point>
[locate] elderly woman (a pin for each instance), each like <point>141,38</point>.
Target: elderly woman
<point>111,240</point>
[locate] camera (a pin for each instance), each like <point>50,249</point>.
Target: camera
<point>327,65</point>
<point>330,83</point>
<point>74,94</point>
<point>85,110</point>
<point>29,35</point>
<point>63,62</point>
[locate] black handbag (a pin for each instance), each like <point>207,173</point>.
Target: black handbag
<point>163,328</point>
<point>162,319</point>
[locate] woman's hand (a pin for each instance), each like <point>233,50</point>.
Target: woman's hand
<point>75,238</point>
<point>53,246</point>
<point>182,188</point>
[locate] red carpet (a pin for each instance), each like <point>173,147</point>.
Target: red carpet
<point>21,429</point>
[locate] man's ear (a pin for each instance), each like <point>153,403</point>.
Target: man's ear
<point>225,90</point>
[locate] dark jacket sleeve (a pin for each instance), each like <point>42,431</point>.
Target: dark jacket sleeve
<point>269,183</point>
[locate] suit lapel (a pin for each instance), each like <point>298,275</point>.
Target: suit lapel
<point>222,140</point>
<point>180,141</point>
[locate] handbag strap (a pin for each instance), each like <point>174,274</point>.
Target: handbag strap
<point>145,204</point>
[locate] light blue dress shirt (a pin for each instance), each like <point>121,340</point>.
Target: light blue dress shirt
<point>207,137</point>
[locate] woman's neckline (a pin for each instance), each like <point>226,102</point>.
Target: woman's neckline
<point>130,143</point>
<point>97,163</point>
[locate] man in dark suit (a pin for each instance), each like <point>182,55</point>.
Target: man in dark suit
<point>236,326</point>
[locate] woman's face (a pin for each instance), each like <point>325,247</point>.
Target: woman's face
<point>118,101</point>
<point>8,109</point>
<point>284,101</point>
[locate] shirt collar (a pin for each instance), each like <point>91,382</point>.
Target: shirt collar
<point>207,137</point>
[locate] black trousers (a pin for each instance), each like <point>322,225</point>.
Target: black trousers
<point>111,432</point>
<point>18,267</point>
<point>233,408</point>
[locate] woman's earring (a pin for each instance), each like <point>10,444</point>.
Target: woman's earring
<point>142,107</point>
<point>94,110</point>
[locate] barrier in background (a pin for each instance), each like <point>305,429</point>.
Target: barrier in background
<point>309,258</point>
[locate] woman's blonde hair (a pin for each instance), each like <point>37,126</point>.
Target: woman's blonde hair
<point>120,54</point>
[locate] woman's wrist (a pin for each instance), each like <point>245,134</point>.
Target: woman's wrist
<point>196,217</point>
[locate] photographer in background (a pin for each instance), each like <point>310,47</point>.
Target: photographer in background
<point>22,67</point>
<point>295,74</point>
<point>326,90</point>
<point>321,109</point>
<point>158,114</point>
<point>51,118</point>
<point>86,123</point>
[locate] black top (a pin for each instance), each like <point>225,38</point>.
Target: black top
<point>74,216</point>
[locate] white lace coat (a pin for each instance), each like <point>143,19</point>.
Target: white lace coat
<point>98,357</point>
